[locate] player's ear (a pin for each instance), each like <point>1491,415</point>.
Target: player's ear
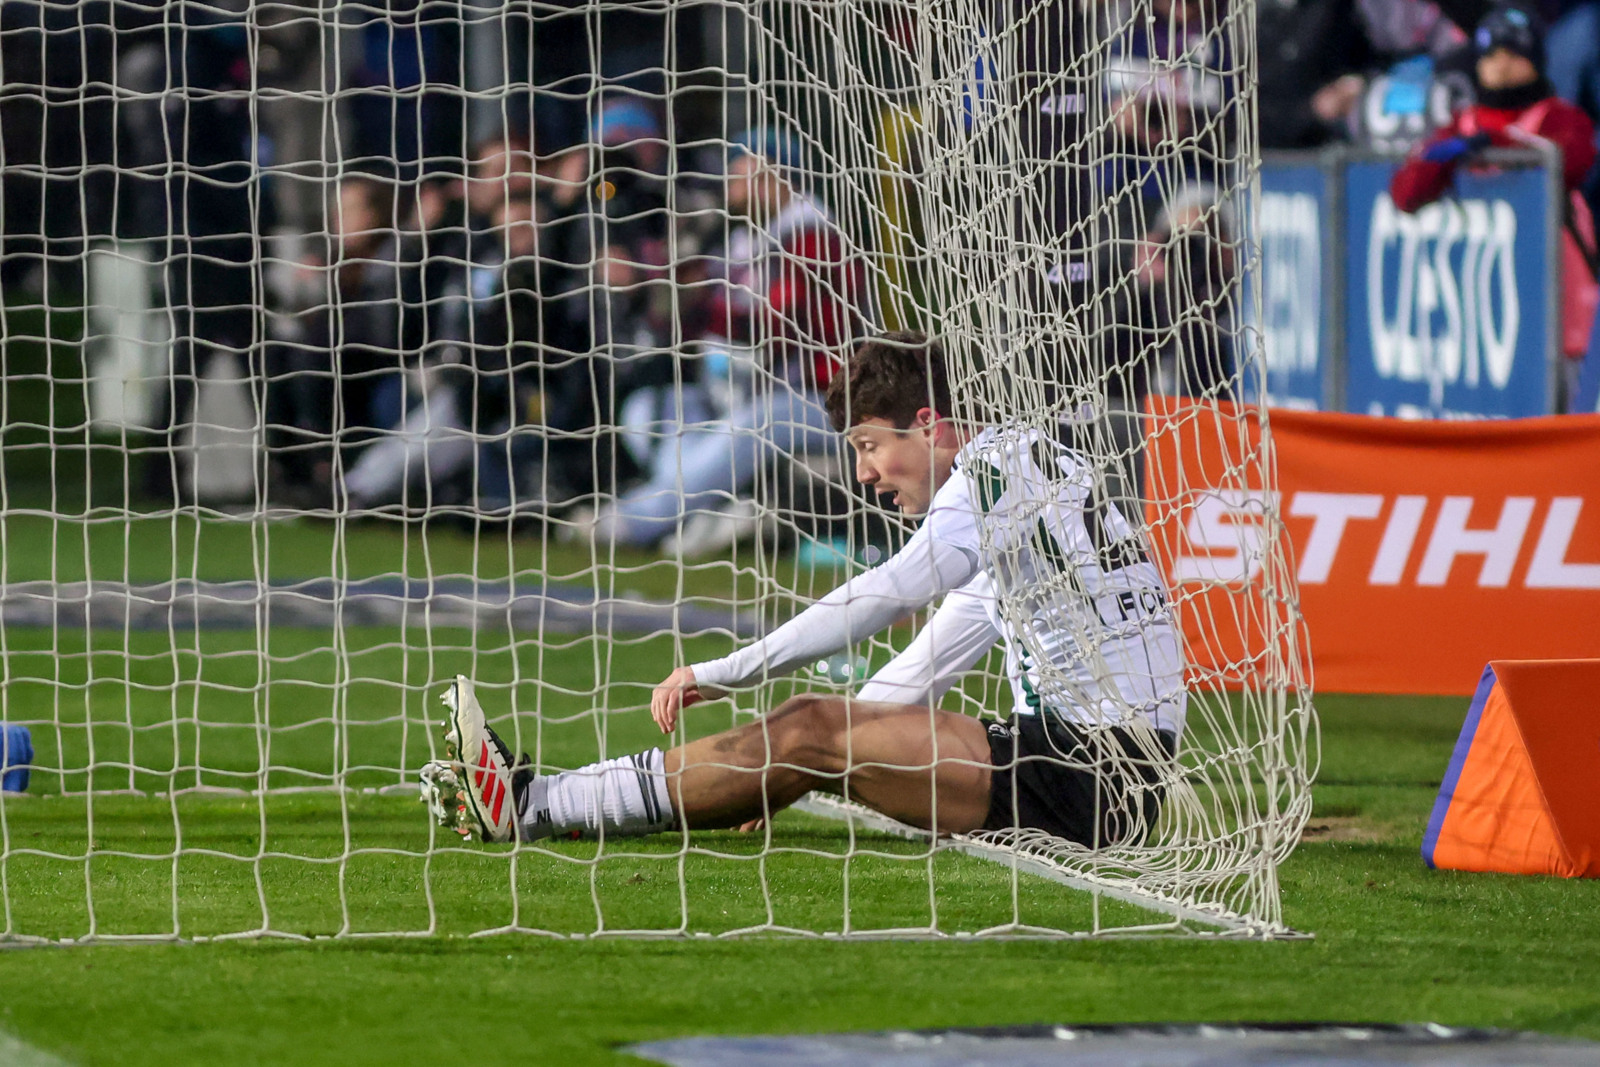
<point>940,430</point>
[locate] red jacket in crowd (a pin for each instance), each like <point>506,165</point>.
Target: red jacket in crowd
<point>1420,181</point>
<point>794,291</point>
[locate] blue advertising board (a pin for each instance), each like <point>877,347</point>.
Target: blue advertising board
<point>1294,228</point>
<point>1449,311</point>
<point>1586,396</point>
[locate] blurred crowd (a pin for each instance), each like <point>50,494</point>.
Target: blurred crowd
<point>619,306</point>
<point>574,332</point>
<point>1446,81</point>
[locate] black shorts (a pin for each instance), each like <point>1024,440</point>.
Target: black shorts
<point>1095,786</point>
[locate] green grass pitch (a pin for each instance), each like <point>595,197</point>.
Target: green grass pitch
<point>1393,941</point>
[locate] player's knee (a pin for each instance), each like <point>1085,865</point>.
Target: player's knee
<point>811,713</point>
<point>809,730</point>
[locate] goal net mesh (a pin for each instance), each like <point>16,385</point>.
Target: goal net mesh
<point>348,348</point>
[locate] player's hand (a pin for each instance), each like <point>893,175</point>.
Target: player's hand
<point>673,695</point>
<point>754,826</point>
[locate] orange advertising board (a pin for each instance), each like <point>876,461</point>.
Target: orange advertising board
<point>1421,550</point>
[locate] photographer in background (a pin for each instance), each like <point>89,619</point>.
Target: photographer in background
<point>1517,108</point>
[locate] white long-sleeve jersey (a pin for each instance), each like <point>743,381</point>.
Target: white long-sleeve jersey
<point>1027,555</point>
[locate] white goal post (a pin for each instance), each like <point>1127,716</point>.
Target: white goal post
<point>348,347</point>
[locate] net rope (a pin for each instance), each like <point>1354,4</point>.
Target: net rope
<point>350,347</point>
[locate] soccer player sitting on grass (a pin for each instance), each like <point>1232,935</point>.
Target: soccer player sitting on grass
<point>1024,551</point>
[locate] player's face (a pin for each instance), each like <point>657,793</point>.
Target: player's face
<point>900,464</point>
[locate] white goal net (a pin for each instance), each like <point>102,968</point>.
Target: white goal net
<point>351,347</point>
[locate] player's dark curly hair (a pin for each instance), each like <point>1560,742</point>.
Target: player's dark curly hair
<point>890,377</point>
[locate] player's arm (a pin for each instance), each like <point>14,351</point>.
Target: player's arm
<point>911,580</point>
<point>956,638</point>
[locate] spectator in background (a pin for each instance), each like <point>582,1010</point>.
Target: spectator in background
<point>1408,68</point>
<point>58,124</point>
<point>435,253</point>
<point>511,402</point>
<point>1320,58</point>
<point>1310,55</point>
<point>536,404</point>
<point>590,314</point>
<point>1517,108</point>
<point>215,215</point>
<point>453,269</point>
<point>396,107</point>
<point>1196,240</point>
<point>1177,34</point>
<point>461,277</point>
<point>629,299</point>
<point>1185,295</point>
<point>629,185</point>
<point>502,168</point>
<point>1153,119</point>
<point>1165,78</point>
<point>563,197</point>
<point>646,283</point>
<point>364,332</point>
<point>1573,45</point>
<point>331,315</point>
<point>428,406</point>
<point>788,295</point>
<point>348,338</point>
<point>536,368</point>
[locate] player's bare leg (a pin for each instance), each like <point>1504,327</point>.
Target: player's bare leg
<point>895,758</point>
<point>922,766</point>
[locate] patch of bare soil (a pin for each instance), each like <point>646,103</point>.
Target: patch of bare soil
<point>1341,828</point>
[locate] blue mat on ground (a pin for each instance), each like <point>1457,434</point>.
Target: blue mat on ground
<point>1234,1044</point>
<point>319,603</point>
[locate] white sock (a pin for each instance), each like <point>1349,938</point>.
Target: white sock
<point>627,796</point>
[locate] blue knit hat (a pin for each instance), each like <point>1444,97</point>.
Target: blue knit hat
<point>776,146</point>
<point>624,119</point>
<point>1514,28</point>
